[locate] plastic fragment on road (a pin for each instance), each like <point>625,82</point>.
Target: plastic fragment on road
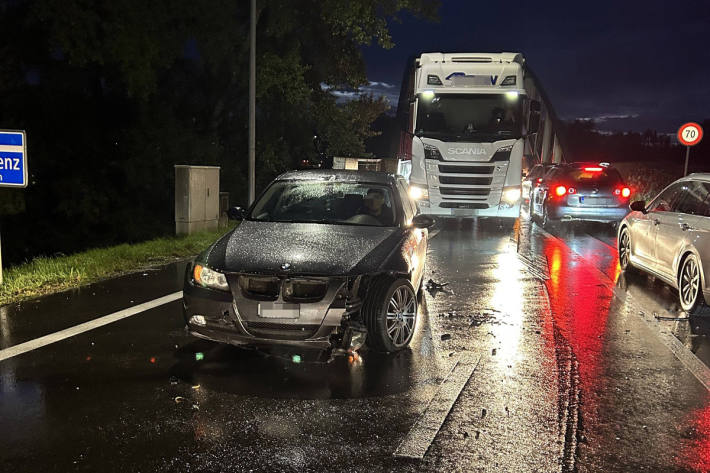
<point>179,399</point>
<point>445,336</point>
<point>199,356</point>
<point>296,358</point>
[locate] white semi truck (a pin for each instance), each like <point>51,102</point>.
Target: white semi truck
<point>468,126</point>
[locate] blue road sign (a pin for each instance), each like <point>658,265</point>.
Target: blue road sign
<point>13,159</point>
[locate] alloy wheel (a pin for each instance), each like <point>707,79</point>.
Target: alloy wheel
<point>624,249</point>
<point>401,316</point>
<point>689,282</point>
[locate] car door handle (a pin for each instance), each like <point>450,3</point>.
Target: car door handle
<point>684,226</point>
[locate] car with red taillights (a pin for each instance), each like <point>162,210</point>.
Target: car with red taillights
<point>580,191</point>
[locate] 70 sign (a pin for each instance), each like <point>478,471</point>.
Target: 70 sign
<point>689,135</point>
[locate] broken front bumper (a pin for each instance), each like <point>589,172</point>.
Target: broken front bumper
<point>234,319</point>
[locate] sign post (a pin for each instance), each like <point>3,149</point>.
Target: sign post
<point>689,135</point>
<point>13,164</point>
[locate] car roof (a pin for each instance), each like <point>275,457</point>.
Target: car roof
<point>696,176</point>
<point>371,177</point>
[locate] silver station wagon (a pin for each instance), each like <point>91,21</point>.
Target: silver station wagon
<point>670,239</point>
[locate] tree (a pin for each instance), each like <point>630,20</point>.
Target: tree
<point>112,94</point>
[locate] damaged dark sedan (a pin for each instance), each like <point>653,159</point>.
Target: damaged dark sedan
<point>325,259</point>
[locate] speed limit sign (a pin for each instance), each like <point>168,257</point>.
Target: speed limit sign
<point>690,134</point>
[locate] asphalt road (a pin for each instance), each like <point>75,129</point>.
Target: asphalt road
<point>553,361</point>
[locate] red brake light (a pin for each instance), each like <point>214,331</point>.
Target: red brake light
<point>539,180</point>
<point>560,191</point>
<point>593,169</point>
<point>622,191</point>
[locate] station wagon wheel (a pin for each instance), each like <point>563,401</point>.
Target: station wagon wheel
<point>689,289</point>
<point>624,250</point>
<point>390,314</point>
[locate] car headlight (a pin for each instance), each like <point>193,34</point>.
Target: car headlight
<point>511,195</point>
<point>418,192</point>
<point>207,277</point>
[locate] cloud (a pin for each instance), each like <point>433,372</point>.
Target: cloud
<point>374,88</point>
<point>610,116</point>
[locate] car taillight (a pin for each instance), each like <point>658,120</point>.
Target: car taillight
<point>560,191</point>
<point>623,192</point>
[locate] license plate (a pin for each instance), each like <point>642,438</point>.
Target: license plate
<point>273,310</point>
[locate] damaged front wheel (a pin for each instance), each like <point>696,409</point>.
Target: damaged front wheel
<point>390,314</point>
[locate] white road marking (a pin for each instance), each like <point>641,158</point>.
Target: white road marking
<point>21,348</point>
<point>416,443</point>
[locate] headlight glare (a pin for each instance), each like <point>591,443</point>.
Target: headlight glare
<point>511,195</point>
<point>418,192</point>
<point>207,277</point>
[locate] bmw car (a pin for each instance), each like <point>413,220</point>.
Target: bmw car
<point>323,259</point>
<point>669,238</point>
<point>580,191</point>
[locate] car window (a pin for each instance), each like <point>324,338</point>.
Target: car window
<point>594,175</point>
<point>693,199</point>
<point>410,209</point>
<point>667,200</point>
<point>348,203</point>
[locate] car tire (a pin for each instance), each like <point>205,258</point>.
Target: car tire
<point>690,291</point>
<point>624,248</point>
<point>390,314</point>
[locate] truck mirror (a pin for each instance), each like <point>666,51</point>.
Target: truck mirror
<point>533,122</point>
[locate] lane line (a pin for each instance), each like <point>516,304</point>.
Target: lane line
<point>420,437</point>
<point>40,342</point>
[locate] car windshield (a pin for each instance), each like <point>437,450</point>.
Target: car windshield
<point>470,117</point>
<point>340,203</point>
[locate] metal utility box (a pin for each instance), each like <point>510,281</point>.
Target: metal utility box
<point>196,198</point>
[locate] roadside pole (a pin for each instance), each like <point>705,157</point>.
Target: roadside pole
<point>13,164</point>
<point>252,104</point>
<point>689,135</point>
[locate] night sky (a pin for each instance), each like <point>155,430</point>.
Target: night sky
<point>627,64</point>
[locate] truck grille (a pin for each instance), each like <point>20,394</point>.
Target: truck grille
<point>469,181</point>
<point>462,205</point>
<point>452,169</point>
<point>456,191</point>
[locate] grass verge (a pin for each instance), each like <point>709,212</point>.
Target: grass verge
<point>45,275</point>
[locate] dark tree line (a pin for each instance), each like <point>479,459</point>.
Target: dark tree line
<point>584,143</point>
<point>113,94</point>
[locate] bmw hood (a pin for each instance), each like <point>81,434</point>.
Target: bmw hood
<point>304,248</point>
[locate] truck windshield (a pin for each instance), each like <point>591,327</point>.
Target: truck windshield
<point>470,117</point>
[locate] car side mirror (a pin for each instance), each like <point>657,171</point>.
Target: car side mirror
<point>423,221</point>
<point>236,213</point>
<point>638,206</point>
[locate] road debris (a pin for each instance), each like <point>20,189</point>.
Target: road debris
<point>433,287</point>
<point>445,336</point>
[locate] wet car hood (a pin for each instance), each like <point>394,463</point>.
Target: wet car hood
<point>309,248</point>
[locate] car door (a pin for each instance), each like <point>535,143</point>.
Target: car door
<point>417,236</point>
<point>677,228</point>
<point>644,226</point>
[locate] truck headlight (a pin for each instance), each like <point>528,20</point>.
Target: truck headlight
<point>511,195</point>
<point>418,192</point>
<point>207,277</point>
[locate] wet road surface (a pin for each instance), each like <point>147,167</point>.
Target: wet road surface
<point>572,374</point>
